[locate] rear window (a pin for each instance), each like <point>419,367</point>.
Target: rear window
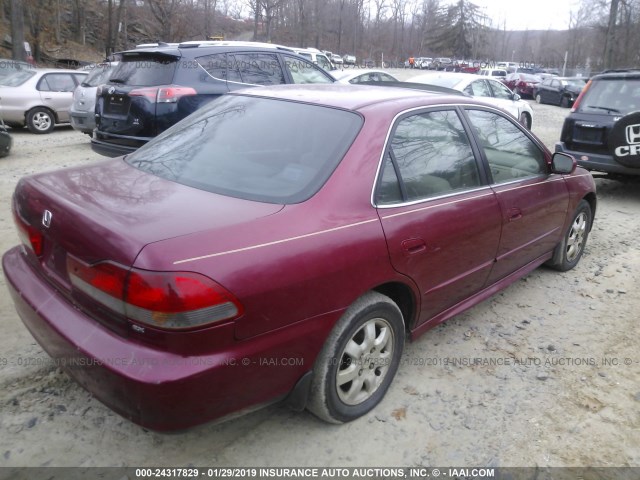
<point>99,75</point>
<point>144,70</point>
<point>614,96</point>
<point>233,147</point>
<point>17,78</point>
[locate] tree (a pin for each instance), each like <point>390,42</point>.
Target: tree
<point>17,30</point>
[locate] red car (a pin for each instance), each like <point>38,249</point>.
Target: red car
<point>236,260</point>
<point>522,83</point>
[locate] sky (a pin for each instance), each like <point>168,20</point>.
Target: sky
<point>532,15</point>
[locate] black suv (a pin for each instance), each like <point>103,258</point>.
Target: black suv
<point>153,88</point>
<point>603,129</point>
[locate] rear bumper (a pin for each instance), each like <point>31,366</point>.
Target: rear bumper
<point>109,149</point>
<point>597,161</point>
<point>84,122</point>
<point>155,388</point>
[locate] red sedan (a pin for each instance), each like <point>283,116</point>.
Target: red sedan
<point>236,260</point>
<point>522,83</point>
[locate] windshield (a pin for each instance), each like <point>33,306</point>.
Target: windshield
<point>144,70</point>
<point>619,96</point>
<point>233,147</point>
<point>17,78</point>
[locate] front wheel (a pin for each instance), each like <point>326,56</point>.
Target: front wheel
<point>40,120</point>
<point>564,102</point>
<point>359,360</point>
<point>570,250</point>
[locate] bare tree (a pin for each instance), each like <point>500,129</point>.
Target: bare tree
<point>17,30</point>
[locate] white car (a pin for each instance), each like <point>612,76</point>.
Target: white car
<point>483,87</point>
<point>39,98</point>
<point>360,76</point>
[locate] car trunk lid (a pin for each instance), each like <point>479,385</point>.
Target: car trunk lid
<point>110,211</point>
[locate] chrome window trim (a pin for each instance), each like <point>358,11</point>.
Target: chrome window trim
<point>427,108</point>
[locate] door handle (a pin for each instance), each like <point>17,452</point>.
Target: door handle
<point>515,214</point>
<point>413,246</point>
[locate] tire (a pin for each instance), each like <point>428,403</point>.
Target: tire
<point>525,120</point>
<point>358,361</point>
<point>538,98</point>
<point>570,250</point>
<point>564,102</point>
<point>40,120</point>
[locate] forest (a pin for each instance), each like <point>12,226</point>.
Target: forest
<point>599,34</point>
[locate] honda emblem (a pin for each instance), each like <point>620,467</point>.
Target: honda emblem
<point>46,218</point>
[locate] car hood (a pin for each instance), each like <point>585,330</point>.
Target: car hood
<point>110,210</point>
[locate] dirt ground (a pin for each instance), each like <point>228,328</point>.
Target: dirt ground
<point>546,373</point>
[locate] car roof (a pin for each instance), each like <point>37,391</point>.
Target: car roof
<point>198,47</point>
<point>348,74</point>
<point>355,97</point>
<point>617,74</point>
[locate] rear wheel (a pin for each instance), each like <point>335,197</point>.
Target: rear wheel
<point>570,250</point>
<point>359,360</point>
<point>40,120</point>
<point>538,98</point>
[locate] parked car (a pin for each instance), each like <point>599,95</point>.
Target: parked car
<point>152,275</point>
<point>603,128</point>
<point>521,83</point>
<point>8,67</point>
<point>83,117</point>
<point>423,63</point>
<point>337,60</point>
<point>510,67</point>
<point>349,60</point>
<point>5,139</point>
<point>360,76</point>
<point>39,98</point>
<point>562,91</point>
<point>317,57</point>
<point>152,89</point>
<point>493,72</point>
<point>484,88</point>
<point>441,63</point>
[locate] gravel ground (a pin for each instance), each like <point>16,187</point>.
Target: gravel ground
<point>557,382</point>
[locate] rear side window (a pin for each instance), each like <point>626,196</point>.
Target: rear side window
<point>57,82</point>
<point>234,147</point>
<point>144,70</point>
<point>619,96</point>
<point>431,154</point>
<point>256,68</point>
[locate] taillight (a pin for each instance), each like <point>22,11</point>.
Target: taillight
<point>171,300</point>
<point>169,94</point>
<point>31,237</point>
<point>577,102</point>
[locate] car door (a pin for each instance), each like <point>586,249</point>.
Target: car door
<point>504,97</point>
<point>556,91</point>
<point>533,201</point>
<point>254,68</point>
<point>56,93</point>
<point>440,218</point>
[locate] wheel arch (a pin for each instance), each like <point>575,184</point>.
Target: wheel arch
<point>403,296</point>
<point>53,113</point>
<point>592,200</point>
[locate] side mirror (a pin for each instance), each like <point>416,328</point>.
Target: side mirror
<point>563,163</point>
<point>515,97</point>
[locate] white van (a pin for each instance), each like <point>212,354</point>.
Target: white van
<point>317,57</point>
<point>493,72</point>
